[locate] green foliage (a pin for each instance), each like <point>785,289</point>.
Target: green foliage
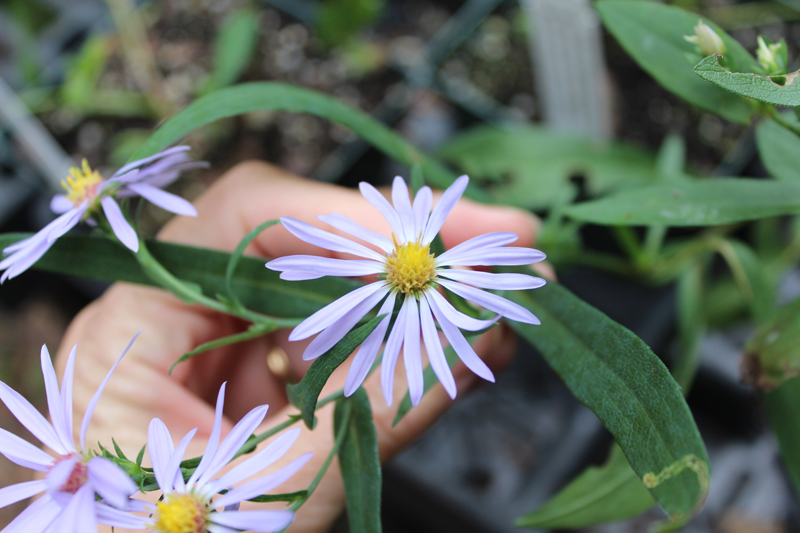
<point>783,409</point>
<point>653,34</point>
<point>692,203</point>
<point>532,167</point>
<point>602,494</point>
<point>233,49</point>
<point>615,374</point>
<point>340,20</point>
<point>779,149</point>
<point>360,463</point>
<point>773,353</point>
<point>777,90</point>
<point>304,395</point>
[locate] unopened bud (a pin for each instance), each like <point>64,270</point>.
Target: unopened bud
<point>706,39</point>
<point>772,56</point>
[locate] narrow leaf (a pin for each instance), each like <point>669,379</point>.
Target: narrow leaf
<point>779,149</point>
<point>233,48</point>
<point>653,34</point>
<point>602,494</point>
<point>777,90</point>
<point>360,464</point>
<point>305,394</point>
<point>693,203</point>
<point>783,410</point>
<point>239,251</point>
<point>630,390</point>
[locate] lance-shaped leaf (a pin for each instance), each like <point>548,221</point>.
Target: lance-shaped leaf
<point>360,464</point>
<point>653,34</point>
<point>693,203</point>
<point>305,394</point>
<point>779,149</point>
<point>630,390</point>
<point>233,48</point>
<point>777,90</point>
<point>257,288</point>
<point>601,494</point>
<point>783,409</point>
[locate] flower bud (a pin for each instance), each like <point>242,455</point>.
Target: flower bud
<point>706,39</point>
<point>772,56</point>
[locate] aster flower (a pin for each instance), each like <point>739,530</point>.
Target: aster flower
<point>191,506</point>
<point>408,274</point>
<point>74,476</point>
<point>87,192</point>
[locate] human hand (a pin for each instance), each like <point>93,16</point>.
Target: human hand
<point>141,388</point>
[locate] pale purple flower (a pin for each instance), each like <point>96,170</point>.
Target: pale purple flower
<point>74,476</point>
<point>193,506</point>
<point>88,192</point>
<point>410,275</point>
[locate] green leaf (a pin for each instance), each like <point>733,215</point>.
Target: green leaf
<point>783,410</point>
<point>691,321</point>
<point>779,149</point>
<point>233,48</point>
<point>618,377</point>
<point>653,34</point>
<point>340,20</point>
<point>534,168</point>
<point>258,288</point>
<point>429,380</point>
<point>602,494</point>
<point>239,251</point>
<point>751,276</point>
<point>360,464</point>
<point>772,355</point>
<point>305,394</point>
<point>693,203</point>
<point>248,97</point>
<point>671,158</point>
<point>777,90</point>
<point>290,497</point>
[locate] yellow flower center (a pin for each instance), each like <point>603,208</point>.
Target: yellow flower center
<point>180,513</point>
<point>411,267</point>
<point>81,184</point>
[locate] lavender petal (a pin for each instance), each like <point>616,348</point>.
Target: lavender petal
<point>21,452</point>
<point>258,521</point>
<point>461,346</point>
<point>402,205</point>
<point>124,232</point>
<point>110,481</point>
<point>488,280</point>
<point>412,355</point>
<point>21,491</point>
<point>36,517</point>
<point>422,209</point>
<point>141,162</point>
<point>213,439</point>
<point>433,345</point>
<point>79,515</point>
<point>346,225</point>
<point>119,519</point>
<point>260,485</point>
<point>331,312</point>
<point>443,208</point>
<point>492,302</point>
<point>368,350</point>
<point>87,417</point>
<point>390,354</point>
<point>60,473</point>
<point>382,204</point>
<point>160,448</point>
<point>60,204</point>
<point>164,200</point>
<point>327,266</point>
<point>66,222</point>
<point>173,470</point>
<point>54,404</point>
<point>487,240</point>
<point>299,275</point>
<point>328,241</point>
<point>495,256</point>
<point>66,391</point>
<point>29,417</point>
<point>458,318</point>
<point>260,461</point>
<point>233,441</point>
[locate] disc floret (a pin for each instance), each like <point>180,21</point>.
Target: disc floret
<point>82,184</point>
<point>411,267</point>
<point>180,513</point>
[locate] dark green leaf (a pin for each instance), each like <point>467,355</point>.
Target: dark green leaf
<point>340,20</point>
<point>257,287</point>
<point>671,157</point>
<point>772,355</point>
<point>783,409</point>
<point>360,464</point>
<point>305,394</point>
<point>429,380</point>
<point>290,497</point>
<point>653,34</point>
<point>630,390</point>
<point>233,48</point>
<point>693,203</point>
<point>600,494</point>
<point>777,90</point>
<point>248,97</point>
<point>691,321</point>
<point>751,275</point>
<point>533,168</point>
<point>779,149</point>
<point>239,251</point>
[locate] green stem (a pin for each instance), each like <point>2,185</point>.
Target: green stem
<point>628,241</point>
<point>785,123</point>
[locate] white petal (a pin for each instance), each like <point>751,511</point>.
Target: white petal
<point>390,353</point>
<point>443,208</point>
<point>122,229</point>
<point>260,461</point>
<point>507,255</point>
<point>433,345</point>
<point>343,223</point>
<point>21,491</point>
<point>491,302</point>
<point>160,448</point>
<point>233,441</point>
<point>78,516</point>
<point>402,204</point>
<point>458,318</point>
<point>173,470</point>
<point>164,200</point>
<point>461,346</point>
<point>382,204</point>
<point>333,311</point>
<point>368,350</point>
<point>264,484</point>
<point>140,162</point>
<point>258,521</point>
<point>487,240</point>
<point>213,439</point>
<point>66,390</point>
<point>60,204</point>
<point>422,209</point>
<point>54,404</point>
<point>21,452</point>
<point>327,240</point>
<point>412,354</point>
<point>31,419</point>
<point>36,517</point>
<point>326,266</point>
<point>119,519</point>
<point>110,481</point>
<point>488,280</point>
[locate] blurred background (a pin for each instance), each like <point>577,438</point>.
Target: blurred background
<point>530,97</point>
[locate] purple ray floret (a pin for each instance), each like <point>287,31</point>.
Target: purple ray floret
<point>74,477</point>
<point>87,193</point>
<point>409,274</point>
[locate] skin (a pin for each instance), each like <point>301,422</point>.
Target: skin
<point>141,388</point>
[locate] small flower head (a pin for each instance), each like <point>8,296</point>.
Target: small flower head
<point>773,57</point>
<point>195,506</point>
<point>74,477</point>
<point>407,272</point>
<point>706,39</point>
<point>87,195</point>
